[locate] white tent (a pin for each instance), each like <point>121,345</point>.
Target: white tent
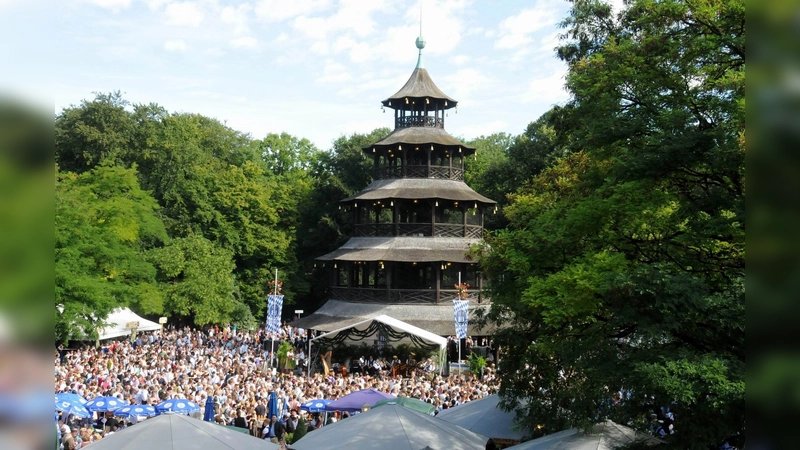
<point>118,320</point>
<point>484,417</point>
<point>394,324</point>
<point>391,427</point>
<point>604,436</point>
<point>175,431</point>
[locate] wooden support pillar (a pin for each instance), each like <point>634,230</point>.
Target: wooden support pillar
<point>396,218</point>
<point>388,267</point>
<point>450,165</point>
<point>464,212</point>
<point>438,281</point>
<point>433,218</point>
<point>428,169</point>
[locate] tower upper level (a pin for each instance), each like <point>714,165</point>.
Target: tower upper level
<point>419,146</point>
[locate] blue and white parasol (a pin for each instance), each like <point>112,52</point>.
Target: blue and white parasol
<point>103,404</point>
<point>135,410</point>
<point>178,406</point>
<point>75,409</point>
<point>316,405</point>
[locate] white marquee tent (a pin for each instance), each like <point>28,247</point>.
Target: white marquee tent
<point>119,318</point>
<point>357,332</point>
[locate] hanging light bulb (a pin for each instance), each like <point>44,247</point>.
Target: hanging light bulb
<point>437,202</point>
<point>391,203</point>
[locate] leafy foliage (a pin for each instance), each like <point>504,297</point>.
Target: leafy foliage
<point>104,223</point>
<point>623,264</point>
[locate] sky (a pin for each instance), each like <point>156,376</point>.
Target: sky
<point>316,69</point>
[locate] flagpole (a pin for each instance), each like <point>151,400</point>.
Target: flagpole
<point>271,338</point>
<point>459,339</point>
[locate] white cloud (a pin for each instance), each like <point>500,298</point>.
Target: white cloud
<point>460,60</point>
<point>320,48</point>
<point>334,72</point>
<point>547,89</point>
<point>114,5</point>
<point>238,17</point>
<point>244,42</point>
<point>184,13</point>
<point>214,51</point>
<point>515,31</point>
<point>466,82</point>
<point>280,10</point>
<point>175,45</point>
<point>155,4</point>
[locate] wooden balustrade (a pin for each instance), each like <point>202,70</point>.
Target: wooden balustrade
<point>418,230</point>
<point>419,171</point>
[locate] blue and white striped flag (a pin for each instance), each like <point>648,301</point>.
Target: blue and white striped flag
<point>461,312</point>
<point>274,308</point>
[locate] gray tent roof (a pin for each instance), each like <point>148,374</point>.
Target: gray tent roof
<point>403,249</point>
<point>437,319</point>
<point>174,431</point>
<point>391,427</point>
<point>484,417</point>
<point>420,136</point>
<point>419,188</point>
<point>604,436</point>
<point>419,85</point>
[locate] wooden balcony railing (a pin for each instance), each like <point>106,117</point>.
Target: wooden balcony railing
<point>418,171</point>
<point>397,296</point>
<point>419,121</point>
<point>418,230</point>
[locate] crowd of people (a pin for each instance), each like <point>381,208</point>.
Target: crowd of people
<point>238,371</point>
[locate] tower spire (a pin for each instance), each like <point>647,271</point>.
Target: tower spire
<point>420,39</point>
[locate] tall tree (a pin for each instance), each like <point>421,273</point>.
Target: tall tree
<point>104,224</point>
<point>198,279</point>
<point>621,275</point>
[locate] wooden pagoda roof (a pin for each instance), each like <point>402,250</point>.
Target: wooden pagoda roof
<point>419,86</point>
<point>419,188</point>
<point>403,249</point>
<point>420,136</point>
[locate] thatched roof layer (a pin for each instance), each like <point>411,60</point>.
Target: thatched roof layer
<point>420,188</point>
<point>403,249</point>
<point>419,85</point>
<point>422,137</point>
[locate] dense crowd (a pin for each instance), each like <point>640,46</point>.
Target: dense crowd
<point>238,371</point>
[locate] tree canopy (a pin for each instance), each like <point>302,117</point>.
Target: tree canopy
<point>620,277</point>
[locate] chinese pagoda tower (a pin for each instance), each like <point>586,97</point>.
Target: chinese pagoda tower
<point>413,226</point>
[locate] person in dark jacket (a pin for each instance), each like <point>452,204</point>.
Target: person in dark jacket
<point>240,421</point>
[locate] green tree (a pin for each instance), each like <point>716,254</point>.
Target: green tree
<point>623,264</point>
<point>197,279</point>
<point>94,132</point>
<point>104,223</point>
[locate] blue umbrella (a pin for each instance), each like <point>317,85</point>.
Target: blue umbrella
<point>317,405</point>
<point>177,405</point>
<point>70,397</point>
<point>76,409</point>
<point>103,404</point>
<point>135,410</point>
<point>272,405</point>
<point>208,414</point>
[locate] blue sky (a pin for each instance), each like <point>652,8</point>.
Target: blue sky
<point>316,69</point>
